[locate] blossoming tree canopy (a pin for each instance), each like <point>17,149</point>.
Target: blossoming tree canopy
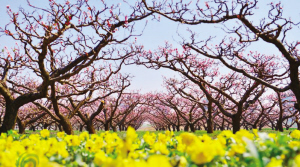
<point>56,42</point>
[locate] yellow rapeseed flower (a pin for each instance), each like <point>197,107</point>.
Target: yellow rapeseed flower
<point>100,158</point>
<point>84,136</point>
<point>294,144</point>
<point>297,160</point>
<point>188,138</point>
<point>255,132</point>
<point>158,161</point>
<point>131,134</point>
<point>72,140</point>
<point>60,134</point>
<point>273,136</point>
<point>45,133</point>
<point>237,149</point>
<point>275,162</point>
<point>295,134</point>
<point>182,162</point>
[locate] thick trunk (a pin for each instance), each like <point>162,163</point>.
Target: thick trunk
<point>10,118</point>
<point>67,127</point>
<point>178,128</point>
<point>90,127</point>
<point>279,125</point>
<point>106,126</point>
<point>298,125</point>
<point>210,126</point>
<point>236,123</point>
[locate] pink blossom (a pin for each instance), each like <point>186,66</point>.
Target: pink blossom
<point>126,20</point>
<point>206,4</point>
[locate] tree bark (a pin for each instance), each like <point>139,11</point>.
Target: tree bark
<point>106,126</point>
<point>236,122</point>
<point>210,126</point>
<point>10,118</point>
<point>90,127</point>
<point>279,126</point>
<point>186,128</point>
<point>192,127</point>
<point>66,125</point>
<point>21,126</point>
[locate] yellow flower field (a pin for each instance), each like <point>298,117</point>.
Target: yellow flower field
<point>165,149</point>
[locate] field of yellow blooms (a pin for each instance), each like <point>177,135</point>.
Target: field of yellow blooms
<point>163,150</point>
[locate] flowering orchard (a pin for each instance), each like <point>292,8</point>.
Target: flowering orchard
<point>63,72</point>
<point>164,149</point>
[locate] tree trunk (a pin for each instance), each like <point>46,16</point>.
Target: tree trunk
<point>210,127</point>
<point>192,127</point>
<point>10,118</point>
<point>178,128</point>
<point>46,125</point>
<point>223,124</point>
<point>67,127</point>
<point>106,126</point>
<point>32,128</point>
<point>236,123</point>
<point>21,126</point>
<point>279,125</point>
<point>228,127</point>
<point>60,128</point>
<point>298,125</point>
<point>81,127</point>
<point>90,127</point>
<point>210,124</point>
<point>186,128</point>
